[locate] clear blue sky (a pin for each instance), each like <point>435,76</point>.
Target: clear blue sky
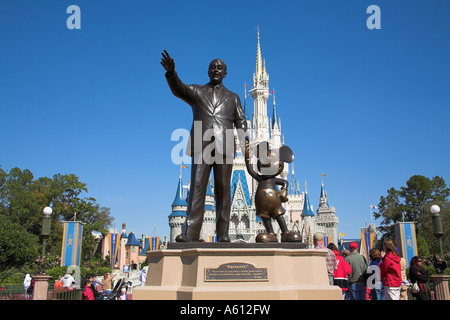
<point>368,108</point>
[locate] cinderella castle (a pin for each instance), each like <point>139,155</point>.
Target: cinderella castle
<point>244,224</point>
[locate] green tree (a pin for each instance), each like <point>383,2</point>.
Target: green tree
<point>65,197</point>
<point>412,203</point>
<point>17,247</point>
<point>22,199</point>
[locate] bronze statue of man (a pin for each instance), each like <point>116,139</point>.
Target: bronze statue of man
<point>216,110</point>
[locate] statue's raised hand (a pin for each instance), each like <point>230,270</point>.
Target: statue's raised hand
<point>167,62</point>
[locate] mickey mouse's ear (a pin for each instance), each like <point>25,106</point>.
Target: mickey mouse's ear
<point>286,154</point>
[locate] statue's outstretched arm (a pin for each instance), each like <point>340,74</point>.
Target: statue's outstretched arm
<point>178,88</point>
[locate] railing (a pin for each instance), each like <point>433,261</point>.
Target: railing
<point>64,294</point>
<point>11,292</point>
<point>14,293</point>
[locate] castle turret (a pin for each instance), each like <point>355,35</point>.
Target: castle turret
<point>276,132</point>
<point>295,203</point>
<point>323,203</point>
<point>308,218</point>
<point>260,94</point>
<point>132,249</point>
<point>307,208</point>
<point>178,216</point>
<point>326,216</point>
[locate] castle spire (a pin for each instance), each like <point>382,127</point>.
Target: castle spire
<point>322,190</point>
<point>260,94</point>
<point>323,203</point>
<point>274,112</point>
<point>307,210</point>
<point>179,199</point>
<point>209,189</point>
<point>293,191</point>
<point>259,66</point>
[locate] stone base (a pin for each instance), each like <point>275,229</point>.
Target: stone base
<point>40,289</point>
<point>231,273</point>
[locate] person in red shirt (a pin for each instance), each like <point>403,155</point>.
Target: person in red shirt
<point>390,271</point>
<point>87,292</point>
<point>342,271</point>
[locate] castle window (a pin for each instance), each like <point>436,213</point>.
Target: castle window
<point>245,222</point>
<point>234,222</point>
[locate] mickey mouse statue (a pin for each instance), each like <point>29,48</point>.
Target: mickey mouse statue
<point>267,198</point>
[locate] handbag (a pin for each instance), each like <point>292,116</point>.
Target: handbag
<point>415,288</point>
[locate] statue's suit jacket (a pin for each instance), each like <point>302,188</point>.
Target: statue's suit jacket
<point>218,111</point>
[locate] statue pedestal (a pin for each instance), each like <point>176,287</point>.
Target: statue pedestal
<point>440,283</point>
<point>40,289</point>
<point>234,271</point>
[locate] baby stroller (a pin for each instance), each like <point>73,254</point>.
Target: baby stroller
<point>117,291</point>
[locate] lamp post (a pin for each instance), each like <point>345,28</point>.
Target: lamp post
<point>46,224</point>
<point>438,230</point>
<point>40,290</point>
<point>440,280</point>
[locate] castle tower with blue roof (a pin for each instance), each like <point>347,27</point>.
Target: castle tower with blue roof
<point>179,207</point>
<point>307,218</point>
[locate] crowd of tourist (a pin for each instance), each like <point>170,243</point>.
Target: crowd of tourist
<point>382,278</point>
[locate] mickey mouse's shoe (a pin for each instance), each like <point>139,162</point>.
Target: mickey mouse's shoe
<point>291,236</point>
<point>266,237</point>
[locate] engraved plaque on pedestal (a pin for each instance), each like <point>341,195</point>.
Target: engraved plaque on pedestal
<point>236,271</point>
